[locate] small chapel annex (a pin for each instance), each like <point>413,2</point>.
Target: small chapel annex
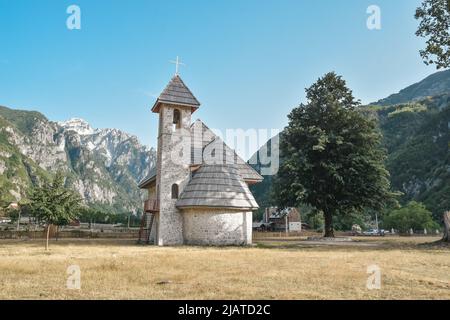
<point>198,193</point>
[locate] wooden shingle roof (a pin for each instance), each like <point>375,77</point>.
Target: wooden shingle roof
<point>176,92</point>
<point>217,186</point>
<point>204,141</point>
<point>276,213</point>
<point>150,178</point>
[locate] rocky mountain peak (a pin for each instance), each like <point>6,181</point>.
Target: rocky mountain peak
<point>80,126</point>
<point>103,165</point>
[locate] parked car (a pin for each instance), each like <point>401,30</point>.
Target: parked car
<point>374,232</point>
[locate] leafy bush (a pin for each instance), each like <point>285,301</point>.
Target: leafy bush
<point>412,216</point>
<point>314,218</point>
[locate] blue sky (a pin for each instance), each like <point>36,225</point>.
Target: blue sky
<point>248,61</point>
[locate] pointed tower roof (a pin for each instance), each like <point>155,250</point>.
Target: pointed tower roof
<point>176,93</point>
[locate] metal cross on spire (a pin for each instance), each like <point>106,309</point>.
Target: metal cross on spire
<point>177,64</point>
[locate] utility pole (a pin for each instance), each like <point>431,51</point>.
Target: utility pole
<point>376,221</point>
<point>287,225</point>
<point>18,220</point>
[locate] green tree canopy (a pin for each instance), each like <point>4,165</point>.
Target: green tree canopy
<point>332,155</point>
<point>434,16</point>
<point>412,216</point>
<point>54,204</point>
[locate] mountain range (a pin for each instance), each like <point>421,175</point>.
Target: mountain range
<point>415,124</point>
<point>103,165</point>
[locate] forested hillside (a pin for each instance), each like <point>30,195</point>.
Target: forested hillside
<point>416,137</point>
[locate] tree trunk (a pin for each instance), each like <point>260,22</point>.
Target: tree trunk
<point>329,231</point>
<point>18,221</point>
<point>48,235</point>
<point>446,227</point>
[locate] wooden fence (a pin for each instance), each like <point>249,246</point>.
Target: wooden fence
<point>282,234</point>
<point>67,234</point>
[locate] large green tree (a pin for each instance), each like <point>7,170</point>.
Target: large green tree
<point>434,16</point>
<point>54,204</point>
<point>332,155</point>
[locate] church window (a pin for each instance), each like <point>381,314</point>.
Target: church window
<point>174,191</point>
<point>176,119</point>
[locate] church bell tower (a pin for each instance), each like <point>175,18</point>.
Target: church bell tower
<point>175,106</point>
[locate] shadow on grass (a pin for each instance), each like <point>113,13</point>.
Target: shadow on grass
<point>355,245</point>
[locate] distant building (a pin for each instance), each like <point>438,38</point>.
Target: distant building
<point>288,219</point>
<point>13,205</point>
<point>262,226</point>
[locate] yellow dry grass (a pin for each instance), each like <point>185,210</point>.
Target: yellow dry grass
<point>274,269</point>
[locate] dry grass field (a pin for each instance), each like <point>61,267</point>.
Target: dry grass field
<point>273,269</point>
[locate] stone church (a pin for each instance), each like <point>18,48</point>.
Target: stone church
<point>199,191</point>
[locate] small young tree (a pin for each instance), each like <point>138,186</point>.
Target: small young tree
<point>434,16</point>
<point>54,204</point>
<point>332,155</point>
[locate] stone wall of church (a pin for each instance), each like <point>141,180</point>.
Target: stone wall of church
<point>217,227</point>
<point>172,168</point>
